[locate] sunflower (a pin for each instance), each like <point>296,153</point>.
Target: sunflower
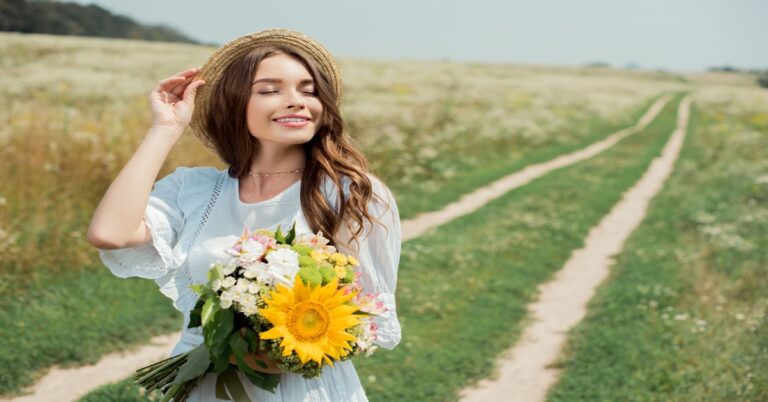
<point>312,321</point>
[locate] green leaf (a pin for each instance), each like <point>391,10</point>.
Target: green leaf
<point>210,308</point>
<point>234,387</point>
<point>215,334</point>
<point>194,315</point>
<point>279,235</point>
<point>291,234</point>
<point>265,381</point>
<point>252,339</point>
<point>197,288</point>
<point>239,347</point>
<point>196,365</point>
<point>215,273</point>
<point>221,390</point>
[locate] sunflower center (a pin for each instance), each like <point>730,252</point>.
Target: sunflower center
<point>308,321</point>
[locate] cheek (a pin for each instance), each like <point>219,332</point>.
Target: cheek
<point>316,107</point>
<point>255,112</point>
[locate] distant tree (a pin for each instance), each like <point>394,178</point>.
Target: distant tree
<point>65,18</point>
<point>724,69</point>
<point>762,79</point>
<point>598,64</point>
<point>13,15</point>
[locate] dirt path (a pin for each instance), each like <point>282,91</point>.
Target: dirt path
<point>70,384</point>
<point>524,373</point>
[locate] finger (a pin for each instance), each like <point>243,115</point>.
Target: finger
<point>187,72</point>
<point>191,91</point>
<point>168,83</point>
<point>179,87</point>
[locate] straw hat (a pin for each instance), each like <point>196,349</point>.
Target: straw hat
<point>214,68</point>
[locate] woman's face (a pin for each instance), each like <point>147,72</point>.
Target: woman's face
<point>281,87</point>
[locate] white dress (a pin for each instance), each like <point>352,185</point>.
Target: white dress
<point>195,213</point>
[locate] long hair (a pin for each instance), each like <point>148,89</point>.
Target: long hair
<point>330,154</point>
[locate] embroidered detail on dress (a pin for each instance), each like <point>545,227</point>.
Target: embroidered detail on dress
<point>180,280</point>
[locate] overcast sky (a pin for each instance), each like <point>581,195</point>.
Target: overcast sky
<point>676,35</point>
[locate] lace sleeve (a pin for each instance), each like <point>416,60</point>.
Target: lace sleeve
<point>164,219</point>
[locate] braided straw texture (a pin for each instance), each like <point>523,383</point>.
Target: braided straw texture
<point>214,68</point>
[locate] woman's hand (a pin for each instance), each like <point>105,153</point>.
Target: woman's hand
<point>252,358</point>
<point>173,101</point>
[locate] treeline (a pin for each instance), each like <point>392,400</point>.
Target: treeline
<point>61,18</point>
<point>762,75</point>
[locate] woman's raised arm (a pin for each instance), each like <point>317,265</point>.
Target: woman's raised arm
<point>118,221</point>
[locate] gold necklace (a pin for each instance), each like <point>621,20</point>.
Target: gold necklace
<point>268,174</point>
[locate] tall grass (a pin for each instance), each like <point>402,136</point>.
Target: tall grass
<point>73,110</point>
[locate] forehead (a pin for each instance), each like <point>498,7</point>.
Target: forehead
<point>282,67</point>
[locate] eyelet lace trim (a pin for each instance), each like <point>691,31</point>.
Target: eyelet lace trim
<point>176,285</point>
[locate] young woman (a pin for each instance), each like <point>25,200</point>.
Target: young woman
<point>268,105</point>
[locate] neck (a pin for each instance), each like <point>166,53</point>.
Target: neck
<point>271,159</point>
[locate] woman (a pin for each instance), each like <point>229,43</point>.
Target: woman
<point>268,105</point>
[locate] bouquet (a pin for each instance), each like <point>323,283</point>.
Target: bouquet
<point>292,298</point>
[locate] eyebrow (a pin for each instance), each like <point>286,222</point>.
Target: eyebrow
<point>277,80</point>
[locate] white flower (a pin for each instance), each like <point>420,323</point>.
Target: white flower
<point>366,336</point>
<point>228,269</point>
<point>242,285</point>
<point>252,271</point>
<point>228,282</point>
<point>216,285</point>
<point>251,252</point>
<point>248,304</point>
<point>283,256</point>
<point>282,267</point>
<point>253,288</point>
<point>225,299</point>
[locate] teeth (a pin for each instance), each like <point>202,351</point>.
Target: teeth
<point>292,120</point>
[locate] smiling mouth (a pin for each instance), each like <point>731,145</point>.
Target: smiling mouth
<point>292,122</point>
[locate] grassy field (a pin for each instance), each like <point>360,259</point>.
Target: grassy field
<point>461,303</point>
<point>73,110</point>
<point>683,316</point>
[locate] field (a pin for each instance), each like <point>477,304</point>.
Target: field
<point>74,109</point>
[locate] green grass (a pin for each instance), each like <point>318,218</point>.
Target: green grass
<point>75,319</point>
<point>683,315</point>
<point>461,303</point>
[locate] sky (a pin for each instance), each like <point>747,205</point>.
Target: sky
<point>673,35</point>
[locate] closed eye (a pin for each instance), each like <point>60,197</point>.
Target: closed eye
<point>272,92</point>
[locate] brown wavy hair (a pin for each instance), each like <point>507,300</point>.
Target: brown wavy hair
<point>330,154</point>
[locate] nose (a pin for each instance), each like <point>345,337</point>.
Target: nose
<point>295,99</point>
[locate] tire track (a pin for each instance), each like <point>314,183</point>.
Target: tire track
<point>525,372</point>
